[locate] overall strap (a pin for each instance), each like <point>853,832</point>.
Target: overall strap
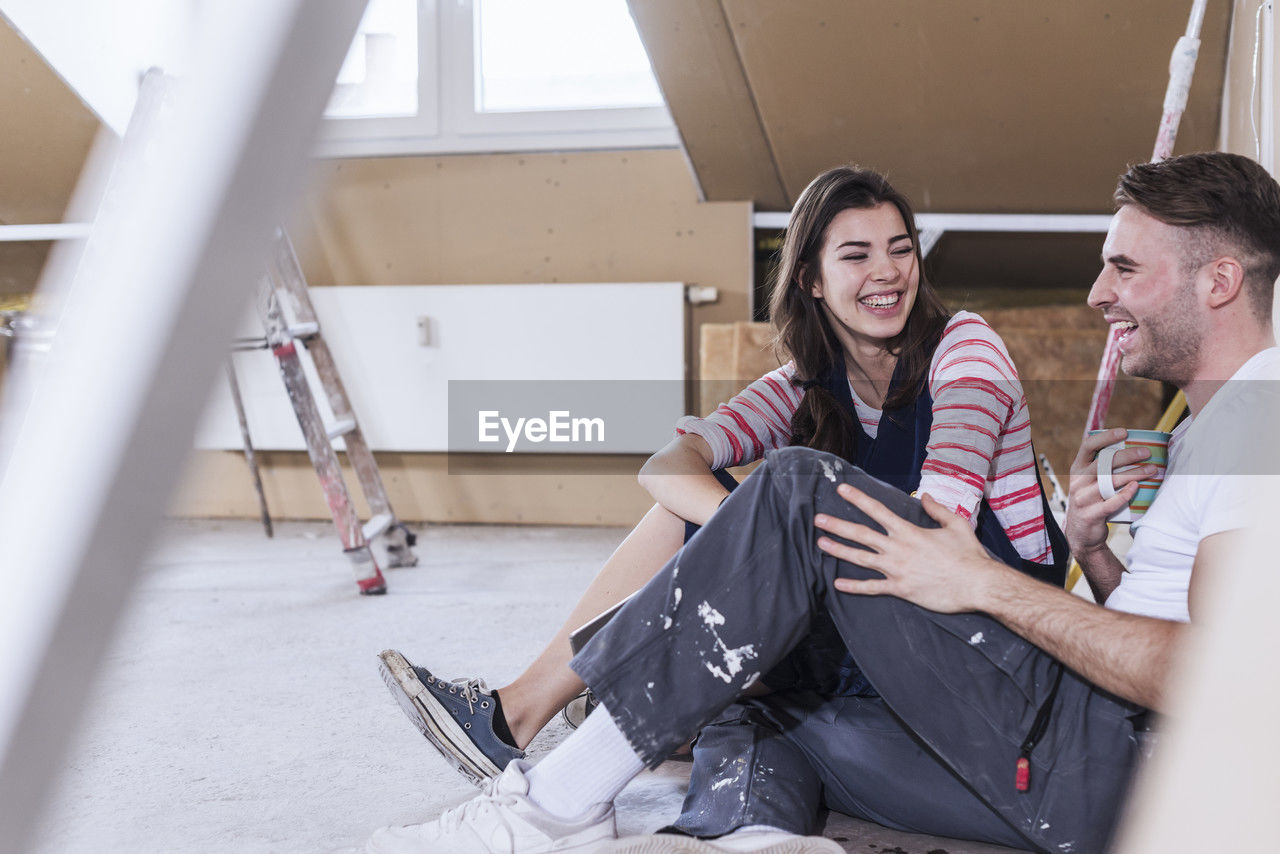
<point>897,454</point>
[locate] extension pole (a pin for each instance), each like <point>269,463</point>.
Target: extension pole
<point>82,497</point>
<point>1182,66</point>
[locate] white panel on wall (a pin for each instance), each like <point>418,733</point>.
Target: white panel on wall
<point>628,336</point>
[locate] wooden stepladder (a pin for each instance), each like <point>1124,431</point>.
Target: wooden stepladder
<point>290,323</point>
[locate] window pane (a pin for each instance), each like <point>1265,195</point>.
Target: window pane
<point>561,55</point>
<point>380,74</point>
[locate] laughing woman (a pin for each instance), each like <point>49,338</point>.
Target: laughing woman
<point>880,375</point>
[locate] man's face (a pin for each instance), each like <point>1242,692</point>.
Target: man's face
<point>1146,292</point>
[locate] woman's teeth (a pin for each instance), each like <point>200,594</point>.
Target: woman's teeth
<point>881,300</point>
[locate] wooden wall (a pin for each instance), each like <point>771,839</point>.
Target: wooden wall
<point>1055,348</point>
<point>44,139</point>
<point>596,217</point>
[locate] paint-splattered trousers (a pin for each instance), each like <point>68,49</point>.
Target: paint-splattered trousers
<point>937,752</point>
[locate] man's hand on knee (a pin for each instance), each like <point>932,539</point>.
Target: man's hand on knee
<point>943,569</point>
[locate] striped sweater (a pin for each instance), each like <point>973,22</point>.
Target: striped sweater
<point>980,443</point>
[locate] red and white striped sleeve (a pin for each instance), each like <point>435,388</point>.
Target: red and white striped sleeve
<point>756,420</point>
<point>980,443</point>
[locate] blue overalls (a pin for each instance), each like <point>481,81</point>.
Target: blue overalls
<point>896,456</point>
<point>961,702</point>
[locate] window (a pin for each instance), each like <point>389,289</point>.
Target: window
<point>436,76</point>
<point>528,61</point>
<point>379,77</point>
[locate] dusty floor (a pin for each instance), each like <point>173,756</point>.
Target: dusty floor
<point>240,709</point>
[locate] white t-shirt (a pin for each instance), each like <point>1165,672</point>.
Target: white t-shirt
<point>1219,462</point>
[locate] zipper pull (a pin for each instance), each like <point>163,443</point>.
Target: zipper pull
<point>1022,780</point>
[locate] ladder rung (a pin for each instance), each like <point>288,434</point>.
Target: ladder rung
<point>377,525</point>
<point>342,428</point>
<point>308,329</point>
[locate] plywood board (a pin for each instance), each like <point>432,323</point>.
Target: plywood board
<point>20,266</point>
<point>470,219</point>
<point>1055,348</point>
<point>969,105</point>
<point>43,144</point>
<point>426,488</point>
<point>45,138</point>
<point>478,219</point>
<point>608,216</point>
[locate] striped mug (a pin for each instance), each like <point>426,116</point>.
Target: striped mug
<point>1158,444</point>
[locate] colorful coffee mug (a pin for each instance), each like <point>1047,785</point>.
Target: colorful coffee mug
<point>1155,442</point>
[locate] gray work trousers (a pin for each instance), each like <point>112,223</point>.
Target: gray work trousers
<point>937,752</point>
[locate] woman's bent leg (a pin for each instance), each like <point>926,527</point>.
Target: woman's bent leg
<point>544,688</point>
<point>733,602</point>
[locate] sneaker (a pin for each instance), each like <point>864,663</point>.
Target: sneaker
<point>578,709</point>
<point>742,842</point>
<point>456,716</point>
<point>503,819</point>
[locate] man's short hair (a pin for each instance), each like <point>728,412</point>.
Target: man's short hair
<point>1229,203</point>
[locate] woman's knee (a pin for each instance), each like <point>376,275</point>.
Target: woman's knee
<point>821,473</point>
<point>801,464</point>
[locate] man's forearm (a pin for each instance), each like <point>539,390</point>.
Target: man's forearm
<point>1102,569</point>
<point>1125,654</point>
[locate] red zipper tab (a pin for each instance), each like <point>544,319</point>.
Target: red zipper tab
<point>1023,780</point>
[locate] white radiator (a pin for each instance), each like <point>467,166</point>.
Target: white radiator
<point>612,351</point>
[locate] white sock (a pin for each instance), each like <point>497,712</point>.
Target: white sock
<point>589,767</point>
<point>757,828</point>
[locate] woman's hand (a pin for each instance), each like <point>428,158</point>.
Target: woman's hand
<point>943,569</point>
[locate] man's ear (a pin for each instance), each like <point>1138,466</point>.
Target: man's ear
<point>1226,280</point>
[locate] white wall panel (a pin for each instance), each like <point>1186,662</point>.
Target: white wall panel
<point>399,387</point>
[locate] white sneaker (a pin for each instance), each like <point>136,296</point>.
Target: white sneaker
<point>742,842</point>
<point>501,821</point>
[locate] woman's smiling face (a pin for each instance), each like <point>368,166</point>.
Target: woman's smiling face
<point>869,275</point>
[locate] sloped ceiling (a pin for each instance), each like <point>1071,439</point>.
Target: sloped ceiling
<point>47,135</point>
<point>45,140</point>
<point>975,106</point>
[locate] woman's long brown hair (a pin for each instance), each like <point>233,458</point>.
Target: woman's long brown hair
<point>803,332</point>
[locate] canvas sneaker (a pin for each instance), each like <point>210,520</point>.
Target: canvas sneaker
<point>455,715</point>
<point>501,821</point>
<point>578,709</point>
<point>742,842</point>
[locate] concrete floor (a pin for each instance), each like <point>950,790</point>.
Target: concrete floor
<point>239,709</point>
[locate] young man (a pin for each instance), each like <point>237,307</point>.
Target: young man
<point>1009,710</point>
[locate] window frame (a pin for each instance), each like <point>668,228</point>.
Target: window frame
<point>448,122</point>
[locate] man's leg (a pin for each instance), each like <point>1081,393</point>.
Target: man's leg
<point>746,773</point>
<point>872,767</point>
<point>740,595</point>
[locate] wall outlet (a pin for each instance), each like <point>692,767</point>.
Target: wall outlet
<point>699,295</point>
